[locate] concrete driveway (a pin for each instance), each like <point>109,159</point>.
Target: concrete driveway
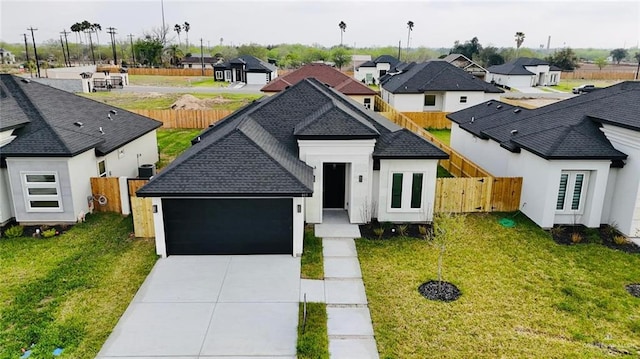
<point>212,307</point>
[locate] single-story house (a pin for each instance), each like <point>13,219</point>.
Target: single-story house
<point>434,86</point>
<point>329,76</point>
<point>195,61</point>
<point>579,158</point>
<point>470,66</point>
<point>6,57</point>
<point>524,72</point>
<point>371,71</point>
<point>357,60</point>
<point>247,69</point>
<point>249,183</point>
<point>52,142</point>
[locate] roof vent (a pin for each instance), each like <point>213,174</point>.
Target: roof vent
<point>113,112</point>
<point>472,119</point>
<point>197,140</point>
<point>499,107</point>
<point>101,131</point>
<point>517,110</point>
<point>489,103</point>
<point>26,81</point>
<point>513,132</point>
<point>109,116</point>
<point>286,87</point>
<point>79,124</point>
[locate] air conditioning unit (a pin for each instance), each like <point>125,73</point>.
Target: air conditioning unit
<point>146,171</point>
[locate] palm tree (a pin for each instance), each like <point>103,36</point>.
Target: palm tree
<point>95,28</point>
<point>177,28</point>
<point>410,26</point>
<point>186,28</point>
<point>343,28</point>
<point>519,40</point>
<point>76,28</point>
<point>175,54</point>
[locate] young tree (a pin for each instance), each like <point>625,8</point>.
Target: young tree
<point>340,57</point>
<point>343,27</point>
<point>175,54</point>
<point>618,55</point>
<point>565,59</point>
<point>148,50</point>
<point>601,62</point>
<point>519,40</point>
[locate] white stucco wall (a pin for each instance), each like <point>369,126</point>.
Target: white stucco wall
<point>511,80</point>
<point>82,167</point>
<point>409,102</point>
<point>125,160</point>
<point>541,178</point>
<point>556,78</point>
<point>445,101</point>
<point>361,73</point>
<point>625,193</point>
<point>360,99</point>
<point>256,78</point>
<point>425,213</point>
<point>452,102</point>
<point>298,226</point>
<point>357,154</point>
<point>6,204</point>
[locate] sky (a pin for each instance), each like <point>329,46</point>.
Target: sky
<point>572,23</point>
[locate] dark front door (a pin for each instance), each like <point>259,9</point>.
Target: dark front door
<point>333,181</point>
<point>239,76</point>
<point>228,226</point>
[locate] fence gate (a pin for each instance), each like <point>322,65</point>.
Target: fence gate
<point>141,210</point>
<point>462,195</point>
<point>106,194</point>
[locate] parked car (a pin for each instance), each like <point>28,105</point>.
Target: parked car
<point>583,89</point>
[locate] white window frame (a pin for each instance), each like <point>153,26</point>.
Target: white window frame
<point>435,100</point>
<point>219,75</point>
<point>367,103</point>
<point>42,197</point>
<point>102,174</point>
<point>463,99</point>
<point>569,192</point>
<point>407,191</point>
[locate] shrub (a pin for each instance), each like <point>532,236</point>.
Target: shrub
<point>49,233</point>
<point>403,229</point>
<point>14,232</point>
<point>422,230</point>
<point>593,235</point>
<point>557,231</point>
<point>576,237</point>
<point>378,232</point>
<point>620,240</point>
<point>387,225</point>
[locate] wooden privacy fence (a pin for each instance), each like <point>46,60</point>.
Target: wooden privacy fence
<point>457,164</point>
<point>599,75</point>
<point>106,194</point>
<point>185,118</point>
<point>170,72</point>
<point>479,194</point>
<point>141,210</point>
<point>435,120</point>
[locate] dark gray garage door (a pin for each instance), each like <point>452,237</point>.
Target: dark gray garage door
<point>228,226</point>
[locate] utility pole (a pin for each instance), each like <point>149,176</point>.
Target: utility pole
<point>26,51</point>
<point>133,55</point>
<point>201,57</point>
<point>65,33</point>
<point>399,49</point>
<point>112,32</point>
<point>64,54</point>
<point>93,55</point>
<point>35,51</point>
<point>164,29</point>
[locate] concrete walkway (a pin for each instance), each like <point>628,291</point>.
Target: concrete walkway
<point>193,307</point>
<point>349,321</point>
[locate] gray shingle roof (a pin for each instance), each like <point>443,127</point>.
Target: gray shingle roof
<point>568,129</point>
<point>252,64</point>
<point>386,59</point>
<point>52,114</point>
<point>517,66</point>
<point>434,76</point>
<point>254,151</point>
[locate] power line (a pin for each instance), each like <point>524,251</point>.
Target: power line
<point>112,32</point>
<point>26,50</point>
<point>63,53</point>
<point>35,51</point>
<point>133,55</point>
<point>65,33</point>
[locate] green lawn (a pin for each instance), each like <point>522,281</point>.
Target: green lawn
<point>311,261</point>
<point>163,101</point>
<point>313,342</point>
<point>523,295</point>
<point>443,135</point>
<point>70,290</point>
<point>175,81</point>
<point>568,85</point>
<point>172,142</point>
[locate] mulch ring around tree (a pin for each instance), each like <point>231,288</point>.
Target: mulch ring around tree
<point>579,234</point>
<point>439,290</point>
<point>634,289</point>
<point>391,230</point>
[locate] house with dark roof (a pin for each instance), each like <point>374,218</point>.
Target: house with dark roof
<point>524,72</point>
<point>579,158</point>
<point>434,86</point>
<point>370,72</point>
<point>465,63</point>
<point>52,142</point>
<point>249,183</point>
<point>329,76</point>
<point>247,69</point>
<point>195,61</point>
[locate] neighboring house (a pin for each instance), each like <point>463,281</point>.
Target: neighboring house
<point>579,158</point>
<point>6,57</point>
<point>247,69</point>
<point>195,61</point>
<point>470,66</point>
<point>434,86</point>
<point>85,78</point>
<point>357,60</point>
<point>327,75</point>
<point>371,71</point>
<point>249,183</point>
<point>524,72</point>
<point>52,142</point>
